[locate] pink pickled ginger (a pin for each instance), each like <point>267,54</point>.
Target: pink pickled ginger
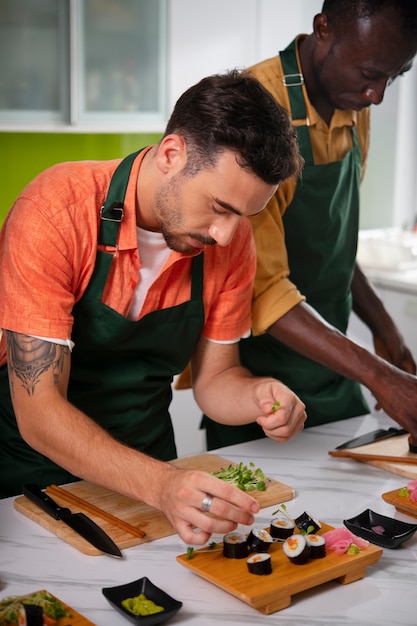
<point>339,540</point>
<point>412,488</point>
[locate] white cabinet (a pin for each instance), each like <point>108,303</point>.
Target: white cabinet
<point>402,307</point>
<point>83,64</point>
<point>400,300</point>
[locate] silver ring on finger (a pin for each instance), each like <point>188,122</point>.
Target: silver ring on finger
<point>206,503</point>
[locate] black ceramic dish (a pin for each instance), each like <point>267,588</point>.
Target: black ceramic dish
<point>379,529</point>
<point>115,595</point>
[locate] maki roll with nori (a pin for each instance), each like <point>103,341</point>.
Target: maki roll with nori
<point>281,528</point>
<point>296,549</point>
<point>30,615</point>
<point>259,540</point>
<point>317,546</point>
<point>306,523</point>
<point>235,546</point>
<point>260,564</point>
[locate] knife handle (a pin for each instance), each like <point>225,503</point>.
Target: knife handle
<point>45,502</point>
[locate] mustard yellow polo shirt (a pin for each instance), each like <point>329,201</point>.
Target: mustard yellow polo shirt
<point>274,294</point>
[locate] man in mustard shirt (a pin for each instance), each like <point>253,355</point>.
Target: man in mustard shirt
<point>307,281</point>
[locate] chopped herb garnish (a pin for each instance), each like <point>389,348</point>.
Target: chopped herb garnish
<point>244,477</point>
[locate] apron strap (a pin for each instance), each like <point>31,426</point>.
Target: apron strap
<point>294,80</point>
<point>197,277</point>
<point>111,213</point>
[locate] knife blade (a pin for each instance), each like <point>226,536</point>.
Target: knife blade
<point>374,435</point>
<point>79,522</point>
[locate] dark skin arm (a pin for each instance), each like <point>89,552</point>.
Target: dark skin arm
<point>395,390</point>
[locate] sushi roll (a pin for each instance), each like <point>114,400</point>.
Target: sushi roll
<point>30,615</point>
<point>296,549</point>
<point>281,528</point>
<point>317,546</point>
<point>307,523</point>
<point>235,546</point>
<point>260,564</point>
<point>259,540</point>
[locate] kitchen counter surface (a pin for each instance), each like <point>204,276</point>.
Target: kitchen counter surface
<point>331,489</point>
<point>404,281</point>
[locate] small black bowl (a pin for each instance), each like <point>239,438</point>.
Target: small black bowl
<point>115,595</point>
<point>379,529</point>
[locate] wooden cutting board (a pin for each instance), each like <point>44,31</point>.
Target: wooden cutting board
<point>396,448</point>
<point>273,592</point>
<point>76,619</point>
<point>136,513</point>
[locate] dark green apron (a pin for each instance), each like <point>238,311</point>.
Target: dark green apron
<point>321,229</point>
<point>121,370</point>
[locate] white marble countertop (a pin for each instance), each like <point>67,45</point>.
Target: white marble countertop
<point>332,489</point>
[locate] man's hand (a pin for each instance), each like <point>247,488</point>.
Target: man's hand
<point>181,498</point>
<point>283,413</point>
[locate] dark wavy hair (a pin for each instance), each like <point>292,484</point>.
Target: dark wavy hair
<point>341,11</point>
<point>233,111</point>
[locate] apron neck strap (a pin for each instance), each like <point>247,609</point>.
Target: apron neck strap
<point>111,213</point>
<point>294,80</point>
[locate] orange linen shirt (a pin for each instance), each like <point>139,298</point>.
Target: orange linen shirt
<point>274,294</point>
<point>48,247</point>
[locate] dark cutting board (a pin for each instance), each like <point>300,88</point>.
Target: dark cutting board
<point>136,513</point>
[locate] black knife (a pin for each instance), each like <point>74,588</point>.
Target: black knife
<point>375,435</point>
<point>79,522</point>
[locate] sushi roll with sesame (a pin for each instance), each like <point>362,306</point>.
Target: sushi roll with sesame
<point>281,528</point>
<point>235,546</point>
<point>296,549</point>
<point>260,564</point>
<point>306,523</point>
<point>317,545</point>
<point>259,540</point>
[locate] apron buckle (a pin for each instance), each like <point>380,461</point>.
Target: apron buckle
<point>112,213</point>
<point>293,80</point>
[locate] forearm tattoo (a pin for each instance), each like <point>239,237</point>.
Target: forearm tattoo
<point>29,358</point>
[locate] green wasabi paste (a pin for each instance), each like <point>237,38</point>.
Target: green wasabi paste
<point>140,605</point>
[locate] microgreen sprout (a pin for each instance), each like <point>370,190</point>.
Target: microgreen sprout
<point>283,509</point>
<point>404,492</point>
<point>275,406</point>
<point>244,477</point>
<point>213,545</point>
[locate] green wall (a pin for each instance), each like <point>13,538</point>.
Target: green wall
<point>24,155</point>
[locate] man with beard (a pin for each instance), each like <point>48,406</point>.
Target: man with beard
<point>307,280</point>
<point>113,275</point>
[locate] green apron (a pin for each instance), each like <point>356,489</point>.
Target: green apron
<point>121,370</point>
<point>321,229</point>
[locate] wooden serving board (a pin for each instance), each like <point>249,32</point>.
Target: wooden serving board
<point>401,503</point>
<point>398,459</point>
<point>136,513</point>
<point>273,592</point>
<point>76,619</point>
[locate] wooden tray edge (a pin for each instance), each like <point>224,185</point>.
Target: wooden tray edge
<point>400,503</point>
